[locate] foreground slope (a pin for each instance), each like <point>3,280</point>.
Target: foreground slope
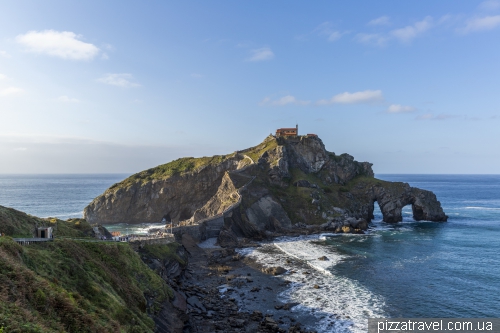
<point>280,183</point>
<point>78,285</point>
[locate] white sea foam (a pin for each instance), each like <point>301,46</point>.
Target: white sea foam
<point>209,243</point>
<point>483,208</point>
<point>340,304</point>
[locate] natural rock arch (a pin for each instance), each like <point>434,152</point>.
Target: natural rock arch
<point>391,201</point>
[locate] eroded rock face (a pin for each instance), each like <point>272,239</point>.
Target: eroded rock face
<point>267,214</point>
<point>309,155</point>
<point>177,197</point>
<point>225,196</point>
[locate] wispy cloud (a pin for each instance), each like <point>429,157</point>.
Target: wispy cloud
<point>3,77</point>
<point>66,99</point>
<point>285,100</point>
<point>409,32</point>
<point>489,5</point>
<point>429,116</point>
<point>481,24</point>
<point>382,20</point>
<point>367,96</point>
<point>11,91</point>
<point>372,39</point>
<point>196,75</point>
<point>62,44</point>
<point>326,29</point>
<point>398,108</point>
<point>405,34</point>
<point>262,54</point>
<point>120,80</point>
<point>4,54</point>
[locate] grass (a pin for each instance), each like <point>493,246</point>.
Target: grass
<point>21,225</point>
<point>72,286</point>
<point>164,171</point>
<point>256,152</point>
<point>163,252</point>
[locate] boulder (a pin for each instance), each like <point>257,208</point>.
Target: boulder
<point>277,270</point>
<point>227,239</point>
<point>302,183</point>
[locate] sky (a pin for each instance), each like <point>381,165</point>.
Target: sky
<point>122,86</point>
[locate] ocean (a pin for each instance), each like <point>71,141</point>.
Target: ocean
<point>410,269</point>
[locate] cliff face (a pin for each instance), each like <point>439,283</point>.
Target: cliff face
<point>281,183</point>
<point>174,196</point>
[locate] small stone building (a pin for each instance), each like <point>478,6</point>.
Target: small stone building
<point>44,232</point>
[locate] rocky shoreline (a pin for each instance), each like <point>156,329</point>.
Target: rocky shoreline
<point>220,291</point>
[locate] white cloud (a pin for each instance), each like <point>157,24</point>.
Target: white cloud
<point>119,80</point>
<point>425,116</point>
<point>382,20</point>
<point>325,28</point>
<point>372,39</point>
<point>62,44</point>
<point>335,35</point>
<point>11,91</point>
<point>261,54</point>
<point>3,77</point>
<point>490,5</point>
<point>66,99</point>
<point>288,99</point>
<point>398,108</point>
<point>407,33</point>
<point>4,54</point>
<point>20,149</point>
<point>367,96</point>
<point>481,23</point>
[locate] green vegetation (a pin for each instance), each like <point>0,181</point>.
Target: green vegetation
<point>256,152</point>
<point>163,252</point>
<point>74,286</point>
<point>164,171</point>
<point>71,285</point>
<point>189,164</point>
<point>18,224</point>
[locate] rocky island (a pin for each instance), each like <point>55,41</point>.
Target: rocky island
<point>288,184</point>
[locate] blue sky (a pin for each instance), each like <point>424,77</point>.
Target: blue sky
<point>121,86</point>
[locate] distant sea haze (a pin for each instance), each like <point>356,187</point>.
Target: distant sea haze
<point>410,269</point>
<point>63,196</point>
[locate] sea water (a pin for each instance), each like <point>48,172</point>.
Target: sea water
<point>408,269</point>
<point>62,196</point>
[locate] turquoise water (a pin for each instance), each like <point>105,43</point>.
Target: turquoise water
<point>426,269</point>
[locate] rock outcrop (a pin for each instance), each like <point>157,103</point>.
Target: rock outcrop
<point>262,191</point>
<point>424,203</point>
